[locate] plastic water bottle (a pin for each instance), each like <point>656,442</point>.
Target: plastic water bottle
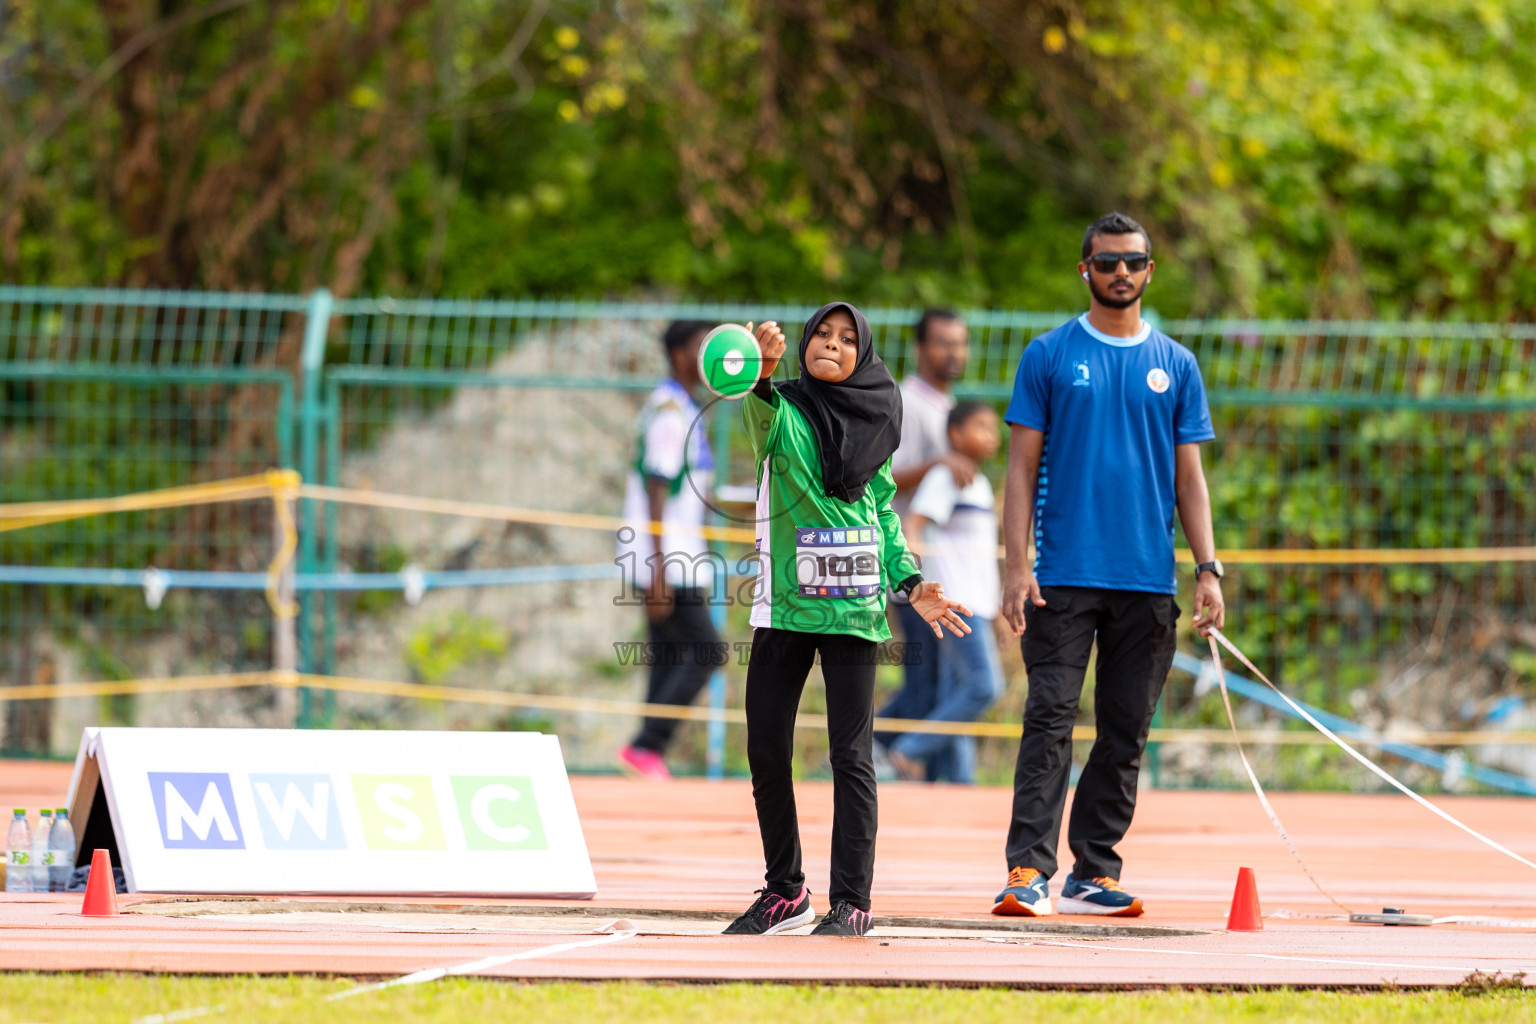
<point>61,847</point>
<point>40,855</point>
<point>18,843</point>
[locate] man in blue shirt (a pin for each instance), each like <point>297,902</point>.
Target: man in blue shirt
<point>1106,422</point>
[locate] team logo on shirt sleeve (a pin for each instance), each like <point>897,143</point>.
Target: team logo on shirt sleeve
<point>1157,380</point>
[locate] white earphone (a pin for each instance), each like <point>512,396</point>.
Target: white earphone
<point>1085,275</point>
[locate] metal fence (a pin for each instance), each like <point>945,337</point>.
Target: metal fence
<point>1331,436</point>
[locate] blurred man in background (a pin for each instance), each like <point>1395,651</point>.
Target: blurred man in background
<point>943,346</point>
<point>672,470</point>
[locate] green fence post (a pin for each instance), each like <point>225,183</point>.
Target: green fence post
<point>332,539</point>
<point>714,756</point>
<point>285,423</point>
<point>316,327</point>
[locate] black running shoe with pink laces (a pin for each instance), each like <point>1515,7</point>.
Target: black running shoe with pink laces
<point>773,913</point>
<point>844,919</point>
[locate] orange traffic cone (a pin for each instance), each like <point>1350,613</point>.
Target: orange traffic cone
<point>100,888</point>
<point>1245,915</point>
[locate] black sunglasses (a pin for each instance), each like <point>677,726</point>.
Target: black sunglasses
<point>1106,262</point>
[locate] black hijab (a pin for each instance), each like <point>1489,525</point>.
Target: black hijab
<point>857,421</point>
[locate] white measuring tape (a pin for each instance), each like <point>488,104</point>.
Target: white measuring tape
<point>1523,923</point>
<point>1274,819</point>
<point>1213,636</point>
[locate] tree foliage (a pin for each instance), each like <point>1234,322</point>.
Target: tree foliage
<point>1292,157</point>
<point>1344,158</point>
<point>223,144</point>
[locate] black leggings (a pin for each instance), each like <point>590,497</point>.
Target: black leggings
<point>781,661</point>
<point>1137,635</point>
<point>683,646</point>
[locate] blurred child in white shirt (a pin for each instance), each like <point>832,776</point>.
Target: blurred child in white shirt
<point>954,530</point>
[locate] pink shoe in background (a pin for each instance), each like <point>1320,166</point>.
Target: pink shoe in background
<point>647,763</point>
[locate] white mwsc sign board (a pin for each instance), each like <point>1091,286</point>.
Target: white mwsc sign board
<point>316,811</point>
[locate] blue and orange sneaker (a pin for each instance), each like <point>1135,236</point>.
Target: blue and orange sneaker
<point>1097,896</point>
<point>773,913</point>
<point>1028,895</point>
<point>844,919</point>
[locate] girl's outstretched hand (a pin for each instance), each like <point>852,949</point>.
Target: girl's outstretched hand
<point>770,341</point>
<point>928,600</point>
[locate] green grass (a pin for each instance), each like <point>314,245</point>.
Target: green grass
<point>109,998</point>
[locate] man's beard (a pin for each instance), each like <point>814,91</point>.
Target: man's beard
<point>1113,301</point>
<point>951,370</point>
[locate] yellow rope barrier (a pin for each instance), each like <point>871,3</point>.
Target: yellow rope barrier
<point>587,521</point>
<point>20,515</point>
<point>735,716</point>
<point>287,482</point>
<point>284,486</point>
<point>125,687</point>
<point>1367,556</point>
<point>476,510</point>
<point>283,494</point>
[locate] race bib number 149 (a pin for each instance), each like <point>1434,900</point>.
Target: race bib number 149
<point>842,561</point>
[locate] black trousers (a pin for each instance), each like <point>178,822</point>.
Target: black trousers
<point>1137,635</point>
<point>683,645</point>
<point>781,661</point>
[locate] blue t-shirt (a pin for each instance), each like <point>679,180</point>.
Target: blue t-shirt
<point>1112,410</point>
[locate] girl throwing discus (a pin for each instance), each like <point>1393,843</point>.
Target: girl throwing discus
<point>828,546</point>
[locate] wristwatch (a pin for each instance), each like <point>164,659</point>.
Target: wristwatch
<point>1214,565</point>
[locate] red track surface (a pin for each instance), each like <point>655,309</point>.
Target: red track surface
<point>692,845</point>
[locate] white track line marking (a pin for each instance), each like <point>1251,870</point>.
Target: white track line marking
<point>431,974</point>
<point>174,1015</point>
<point>434,973</point>
<point>1270,956</point>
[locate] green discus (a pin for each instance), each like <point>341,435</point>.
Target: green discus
<point>730,361</point>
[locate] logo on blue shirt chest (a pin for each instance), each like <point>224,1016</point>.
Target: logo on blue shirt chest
<point>1158,381</point>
